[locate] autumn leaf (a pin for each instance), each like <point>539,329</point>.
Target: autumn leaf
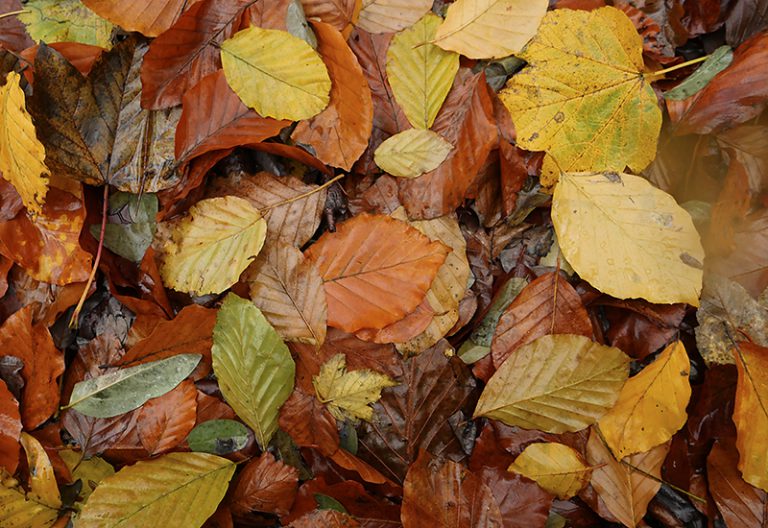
<point>90,471</point>
<point>750,413</point>
<point>218,437</point>
<point>341,14</point>
<point>390,16</point>
<point>486,29</point>
<point>22,156</point>
<point>583,97</point>
<point>149,17</point>
<point>9,436</point>
<point>293,84</point>
<point>164,422</point>
<point>738,502</point>
<point>253,366</point>
<point>17,511</point>
<point>213,245</point>
<point>42,481</point>
<point>541,385</point>
<point>349,394</point>
<point>651,406</point>
<point>555,467</point>
<point>419,72</point>
<point>265,485</point>
<point>52,21</point>
<point>411,153</point>
<point>179,489</point>
<point>627,238</point>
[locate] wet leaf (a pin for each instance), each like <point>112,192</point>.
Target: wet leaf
<point>557,468</point>
<point>218,437</point>
<point>412,152</point>
<point>739,503</point>
<point>717,62</point>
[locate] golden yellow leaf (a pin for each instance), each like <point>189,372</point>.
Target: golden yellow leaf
<point>18,511</point>
<point>420,73</point>
<point>390,16</point>
<point>651,406</point>
<point>556,383</point>
<point>90,471</point>
<point>42,481</point>
<point>411,153</point>
<point>750,413</point>
<point>627,238</point>
<point>276,74</point>
<point>625,491</point>
<point>557,468</point>
<point>582,97</point>
<point>212,246</point>
<point>486,29</point>
<point>22,156</point>
<point>349,394</point>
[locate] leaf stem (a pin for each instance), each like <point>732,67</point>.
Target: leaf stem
<point>661,481</point>
<point>13,13</point>
<point>303,195</point>
<point>84,296</point>
<point>658,74</point>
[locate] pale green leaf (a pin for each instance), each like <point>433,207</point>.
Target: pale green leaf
<point>132,232</point>
<point>219,437</point>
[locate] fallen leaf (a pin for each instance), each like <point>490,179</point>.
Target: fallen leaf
<point>52,21</point>
<point>293,84</point>
<point>555,467</point>
<point>403,330</point>
<point>213,245</point>
<point>598,111</point>
<point>42,481</point>
<point>10,429</point>
<point>81,56</point>
<point>179,489</point>
<point>391,16</point>
<point>412,152</point>
<point>253,366</point>
<point>309,423</point>
<point>745,19</point>
<point>218,437</point>
<point>627,238</point>
<point>265,485</point>
<point>132,234</point>
<point>326,518</point>
<point>149,17</point>
<point>89,471</point>
<point>164,422</point>
<point>288,290</point>
<point>349,394</point>
<point>717,61</point>
<point>339,134</point>
<point>651,406</point>
<point>443,493</point>
<point>13,34</point>
<point>378,251</point>
<point>750,414</point>
<point>542,385</point>
<point>420,73</point>
<point>18,511</point>
<point>22,156</point>
<point>486,29</point>
<point>739,503</point>
<point>341,14</point>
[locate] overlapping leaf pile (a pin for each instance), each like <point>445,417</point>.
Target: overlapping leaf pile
<point>383,263</point>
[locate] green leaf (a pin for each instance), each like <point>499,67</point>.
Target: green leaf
<point>132,224</point>
<point>218,437</point>
<point>254,367</point>
<point>52,21</point>
<point>127,389</point>
<point>719,60</point>
<point>176,490</point>
<point>324,502</point>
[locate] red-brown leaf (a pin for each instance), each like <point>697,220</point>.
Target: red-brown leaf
<point>148,17</point>
<point>81,56</point>
<point>13,34</point>
<point>10,430</point>
<point>309,423</point>
<point>740,504</point>
<point>164,422</point>
<point>340,14</point>
<point>326,519</point>
<point>265,485</point>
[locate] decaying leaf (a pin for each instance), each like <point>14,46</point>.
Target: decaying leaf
<point>557,468</point>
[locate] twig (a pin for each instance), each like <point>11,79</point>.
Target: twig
<point>302,196</point>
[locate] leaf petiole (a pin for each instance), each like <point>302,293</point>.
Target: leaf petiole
<point>303,195</point>
<point>13,13</point>
<point>659,74</point>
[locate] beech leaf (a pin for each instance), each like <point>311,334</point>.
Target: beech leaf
<point>18,511</point>
<point>42,481</point>
<point>149,17</point>
<point>750,414</point>
<point>390,16</point>
<point>555,467</point>
<point>411,153</point>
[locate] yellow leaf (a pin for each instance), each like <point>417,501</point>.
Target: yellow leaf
<point>556,383</point>
<point>52,21</point>
<point>17,511</point>
<point>750,413</point>
<point>557,468</point>
<point>411,153</point>
<point>627,238</point>
<point>179,490</point>
<point>276,74</point>
<point>390,16</point>
<point>583,97</point>
<point>21,153</point>
<point>89,471</point>
<point>651,406</point>
<point>349,394</point>
<point>487,29</point>
<point>212,246</point>
<point>42,481</point>
<point>420,73</point>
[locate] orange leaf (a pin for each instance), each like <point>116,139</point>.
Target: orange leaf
<point>164,422</point>
<point>10,429</point>
<point>43,364</point>
<point>309,423</point>
<point>403,330</point>
<point>339,134</point>
<point>148,17</point>
<point>265,485</point>
<point>376,270</point>
<point>81,56</point>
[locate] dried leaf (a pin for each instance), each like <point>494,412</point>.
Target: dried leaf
<point>555,467</point>
<point>390,16</point>
<point>309,423</point>
<point>265,485</point>
<point>340,14</point>
<point>750,414</point>
<point>412,152</point>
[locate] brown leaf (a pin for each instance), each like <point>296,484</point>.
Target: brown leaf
<point>268,15</point>
<point>288,290</point>
<point>13,34</point>
<point>403,330</point>
<point>10,201</point>
<point>188,51</point>
<point>748,265</point>
<point>739,503</point>
<point>212,408</point>
<point>10,429</point>
<point>548,305</point>
<point>214,118</point>
<point>265,485</point>
<point>466,121</point>
<point>148,17</point>
<point>750,413</point>
<point>81,56</point>
<point>339,134</point>
<point>95,435</point>
<point>309,423</point>
<point>325,518</point>
<point>745,20</point>
<point>445,494</point>
<point>376,270</point>
<point>340,14</point>
<point>164,422</point>
<point>43,364</point>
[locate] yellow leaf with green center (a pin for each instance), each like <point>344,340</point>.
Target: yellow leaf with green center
<point>52,21</point>
<point>420,73</point>
<point>583,97</point>
<point>627,238</point>
<point>276,74</point>
<point>557,468</point>
<point>412,152</point>
<point>349,394</point>
<point>21,153</point>
<point>213,245</point>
